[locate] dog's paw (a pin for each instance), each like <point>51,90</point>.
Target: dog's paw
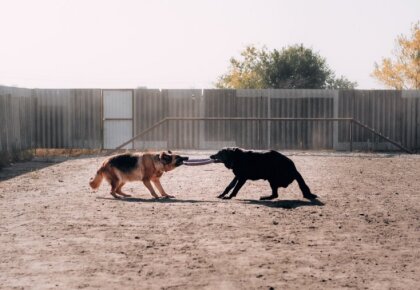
<point>220,196</point>
<point>310,196</point>
<point>168,196</point>
<point>227,197</point>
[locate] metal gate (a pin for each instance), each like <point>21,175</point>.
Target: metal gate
<point>117,118</point>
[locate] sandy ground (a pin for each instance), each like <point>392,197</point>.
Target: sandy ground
<point>56,233</point>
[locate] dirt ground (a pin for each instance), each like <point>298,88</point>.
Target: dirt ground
<point>56,233</point>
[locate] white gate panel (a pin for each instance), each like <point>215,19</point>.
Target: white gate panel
<point>118,117</point>
<point>118,104</point>
<point>117,132</point>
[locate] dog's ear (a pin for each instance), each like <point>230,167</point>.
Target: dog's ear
<point>169,151</point>
<point>166,159</point>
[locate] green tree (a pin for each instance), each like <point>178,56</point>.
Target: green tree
<point>403,71</point>
<point>245,73</point>
<point>339,83</point>
<point>296,67</point>
<point>291,68</point>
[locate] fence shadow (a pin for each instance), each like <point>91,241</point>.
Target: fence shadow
<point>286,204</point>
<point>23,167</point>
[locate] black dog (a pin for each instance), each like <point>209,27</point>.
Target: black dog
<point>279,170</point>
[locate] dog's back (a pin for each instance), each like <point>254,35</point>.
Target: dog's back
<point>264,165</point>
<point>125,162</point>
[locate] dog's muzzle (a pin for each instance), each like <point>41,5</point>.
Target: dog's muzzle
<point>213,157</point>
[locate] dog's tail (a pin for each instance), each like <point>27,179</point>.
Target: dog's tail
<point>304,188</point>
<point>96,181</point>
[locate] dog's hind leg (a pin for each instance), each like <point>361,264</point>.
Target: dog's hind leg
<point>158,185</point>
<point>303,187</point>
<point>150,188</point>
<point>238,186</point>
<point>114,186</point>
<point>274,193</point>
<point>114,181</point>
<point>120,192</point>
<point>229,187</point>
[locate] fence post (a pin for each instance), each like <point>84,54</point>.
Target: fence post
<point>335,115</point>
<point>269,122</point>
<point>351,135</point>
<point>201,124</point>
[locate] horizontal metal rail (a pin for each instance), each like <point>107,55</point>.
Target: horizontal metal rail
<point>252,119</point>
<point>351,120</point>
<point>117,119</point>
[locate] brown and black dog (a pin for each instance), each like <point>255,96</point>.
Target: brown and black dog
<point>146,167</point>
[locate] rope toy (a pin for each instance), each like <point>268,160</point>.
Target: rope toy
<point>197,162</point>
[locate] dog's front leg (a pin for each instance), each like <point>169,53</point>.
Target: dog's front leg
<point>274,194</point>
<point>229,187</point>
<point>158,185</point>
<point>238,186</point>
<point>150,188</point>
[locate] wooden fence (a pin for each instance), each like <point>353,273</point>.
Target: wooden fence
<point>72,118</point>
<point>68,118</point>
<point>17,130</point>
<point>39,118</point>
<point>396,114</point>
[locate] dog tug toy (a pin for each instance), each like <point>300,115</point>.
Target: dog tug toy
<point>196,162</point>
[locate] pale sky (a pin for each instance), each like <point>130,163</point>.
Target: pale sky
<point>187,43</point>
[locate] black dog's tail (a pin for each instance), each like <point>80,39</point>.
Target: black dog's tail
<point>304,188</point>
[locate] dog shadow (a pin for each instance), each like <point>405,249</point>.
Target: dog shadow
<point>153,200</point>
<point>286,204</point>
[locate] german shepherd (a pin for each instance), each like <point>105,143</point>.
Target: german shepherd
<point>122,168</point>
<point>273,166</point>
